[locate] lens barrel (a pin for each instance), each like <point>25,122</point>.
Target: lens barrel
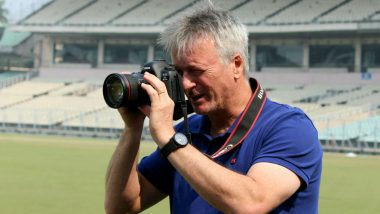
<point>124,90</point>
<point>116,90</point>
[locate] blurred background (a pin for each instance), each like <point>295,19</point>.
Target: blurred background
<point>322,56</point>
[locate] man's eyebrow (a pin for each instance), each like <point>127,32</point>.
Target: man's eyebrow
<point>187,67</point>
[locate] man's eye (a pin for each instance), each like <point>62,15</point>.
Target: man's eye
<point>180,72</point>
<point>197,72</point>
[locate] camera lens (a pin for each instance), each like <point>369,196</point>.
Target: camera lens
<point>124,90</point>
<point>115,90</point>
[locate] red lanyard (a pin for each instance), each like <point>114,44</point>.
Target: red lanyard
<point>246,121</point>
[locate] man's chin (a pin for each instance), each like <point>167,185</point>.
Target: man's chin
<point>200,109</point>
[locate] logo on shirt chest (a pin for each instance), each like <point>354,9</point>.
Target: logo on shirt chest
<point>233,161</point>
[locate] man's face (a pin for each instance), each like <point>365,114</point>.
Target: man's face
<point>207,81</point>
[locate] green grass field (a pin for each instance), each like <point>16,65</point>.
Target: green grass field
<point>44,174</point>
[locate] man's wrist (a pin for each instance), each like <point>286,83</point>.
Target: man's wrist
<point>133,134</point>
<point>165,140</point>
<point>134,128</point>
<point>178,141</point>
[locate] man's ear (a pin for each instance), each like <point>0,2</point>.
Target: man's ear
<point>238,65</point>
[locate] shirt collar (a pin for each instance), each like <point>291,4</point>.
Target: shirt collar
<point>203,125</point>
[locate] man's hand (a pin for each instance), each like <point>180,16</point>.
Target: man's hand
<point>160,111</point>
<point>133,118</point>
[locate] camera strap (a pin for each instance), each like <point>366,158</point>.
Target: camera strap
<point>246,121</point>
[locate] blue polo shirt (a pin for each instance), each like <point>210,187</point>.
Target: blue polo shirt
<point>282,135</point>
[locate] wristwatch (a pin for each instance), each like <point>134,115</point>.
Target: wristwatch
<point>178,140</point>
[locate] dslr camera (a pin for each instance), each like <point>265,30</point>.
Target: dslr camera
<point>124,90</point>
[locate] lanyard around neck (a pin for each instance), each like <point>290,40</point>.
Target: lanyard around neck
<point>246,121</point>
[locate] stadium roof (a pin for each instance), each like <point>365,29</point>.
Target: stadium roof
<point>151,16</point>
<point>10,39</point>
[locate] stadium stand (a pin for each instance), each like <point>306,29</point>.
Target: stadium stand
<point>9,76</point>
<point>291,94</point>
<point>68,74</point>
<point>105,11</point>
<point>339,111</point>
<point>372,101</point>
<point>374,136</point>
<point>31,88</point>
<point>156,12</point>
<point>106,118</point>
<point>152,12</point>
<point>9,100</point>
<point>74,108</point>
<point>103,123</point>
<point>358,136</point>
<point>76,89</point>
<point>345,97</point>
<point>56,11</point>
<point>345,113</point>
<point>51,110</point>
<point>227,5</point>
<point>296,15</point>
<point>43,106</point>
<point>352,11</point>
<point>255,11</point>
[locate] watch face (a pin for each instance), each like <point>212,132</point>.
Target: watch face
<point>180,139</point>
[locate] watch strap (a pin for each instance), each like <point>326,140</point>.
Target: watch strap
<point>170,147</point>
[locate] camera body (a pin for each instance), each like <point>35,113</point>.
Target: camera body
<point>124,90</point>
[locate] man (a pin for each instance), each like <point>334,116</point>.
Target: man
<point>277,166</point>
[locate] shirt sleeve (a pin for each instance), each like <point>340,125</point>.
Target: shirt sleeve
<point>292,142</point>
<point>158,171</point>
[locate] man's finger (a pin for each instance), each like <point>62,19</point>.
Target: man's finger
<point>156,83</point>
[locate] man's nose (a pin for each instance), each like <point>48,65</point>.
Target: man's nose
<point>187,81</point>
